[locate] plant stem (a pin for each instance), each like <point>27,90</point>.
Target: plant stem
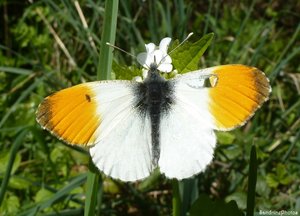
<point>176,198</point>
<point>94,189</point>
<point>108,35</point>
<point>93,180</point>
<point>252,182</point>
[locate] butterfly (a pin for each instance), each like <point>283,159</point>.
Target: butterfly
<point>132,127</point>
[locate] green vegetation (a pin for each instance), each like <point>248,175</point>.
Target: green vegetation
<point>49,45</point>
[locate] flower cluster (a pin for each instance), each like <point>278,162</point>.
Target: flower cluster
<point>157,55</point>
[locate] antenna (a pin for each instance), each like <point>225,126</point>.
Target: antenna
<point>118,48</point>
<point>157,63</point>
<point>189,35</point>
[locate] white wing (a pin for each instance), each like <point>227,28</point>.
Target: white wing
<point>233,94</point>
<point>123,147</point>
<point>102,115</point>
<point>187,137</point>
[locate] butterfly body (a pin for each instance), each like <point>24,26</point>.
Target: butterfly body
<point>154,98</point>
<point>132,127</point>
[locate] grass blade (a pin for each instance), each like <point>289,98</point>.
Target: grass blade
<point>252,182</point>
<point>188,189</point>
<point>242,26</point>
<point>79,180</point>
<point>16,70</point>
<point>108,35</point>
<point>103,73</point>
<point>23,95</point>
<point>93,180</point>
<point>15,146</point>
<point>176,201</point>
<point>280,61</point>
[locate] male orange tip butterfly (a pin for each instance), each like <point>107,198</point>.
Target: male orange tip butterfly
<point>132,127</point>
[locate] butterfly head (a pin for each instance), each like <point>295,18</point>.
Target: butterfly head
<point>153,67</point>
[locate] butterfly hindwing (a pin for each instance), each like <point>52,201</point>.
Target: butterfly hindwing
<point>125,153</point>
<point>187,143</point>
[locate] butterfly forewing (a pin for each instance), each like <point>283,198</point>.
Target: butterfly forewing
<point>102,115</point>
<point>70,114</point>
<point>238,92</point>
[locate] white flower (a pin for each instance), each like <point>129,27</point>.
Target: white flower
<point>157,55</point>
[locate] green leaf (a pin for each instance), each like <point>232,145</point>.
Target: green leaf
<point>188,190</point>
<point>239,197</point>
<point>225,138</point>
<point>280,170</point>
<point>42,195</point>
<point>204,206</point>
<point>110,186</point>
<point>282,174</point>
<point>261,154</point>
<point>279,176</point>
<point>124,72</point>
<point>58,153</point>
<point>233,152</point>
<point>271,180</point>
<point>186,57</point>
<point>287,180</point>
<point>150,182</point>
<point>18,183</point>
<point>75,191</point>
<point>4,160</point>
<point>79,157</point>
<point>262,187</point>
<point>51,200</point>
<point>10,206</point>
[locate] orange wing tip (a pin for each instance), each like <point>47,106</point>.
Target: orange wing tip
<point>69,112</point>
<point>43,114</point>
<point>240,91</point>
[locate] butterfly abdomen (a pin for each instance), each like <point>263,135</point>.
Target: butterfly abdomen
<point>154,98</point>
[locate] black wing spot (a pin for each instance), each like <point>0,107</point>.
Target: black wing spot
<point>88,98</point>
